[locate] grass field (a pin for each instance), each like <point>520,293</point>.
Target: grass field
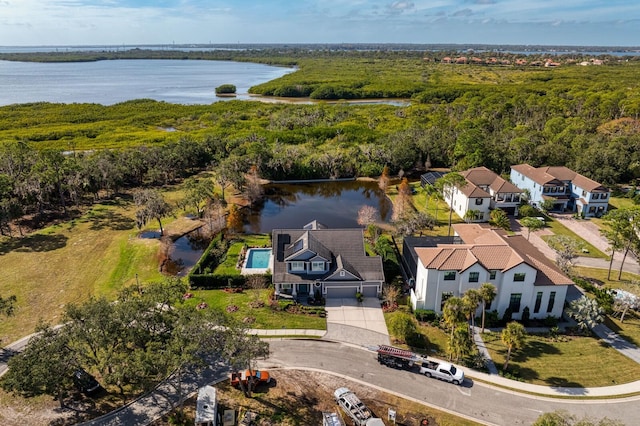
<point>575,362</point>
<point>559,229</point>
<point>96,254</point>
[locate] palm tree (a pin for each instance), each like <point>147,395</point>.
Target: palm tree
<point>432,193</point>
<point>499,219</point>
<point>453,314</point>
<point>513,337</point>
<point>447,184</point>
<point>470,215</point>
<point>471,299</point>
<point>487,293</point>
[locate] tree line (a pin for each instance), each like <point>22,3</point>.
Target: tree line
<point>131,344</point>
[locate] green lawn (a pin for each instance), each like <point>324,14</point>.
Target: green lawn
<point>96,254</point>
<point>559,229</point>
<point>614,203</point>
<point>629,329</point>
<point>438,209</point>
<point>601,275</point>
<point>576,362</point>
<point>265,317</point>
<point>228,267</point>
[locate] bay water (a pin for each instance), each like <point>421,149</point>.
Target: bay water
<point>113,81</point>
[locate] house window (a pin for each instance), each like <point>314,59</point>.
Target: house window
<point>450,275</point>
<point>342,273</point>
<point>552,300</point>
<point>595,196</point>
<point>519,277</point>
<point>297,266</point>
<point>474,277</point>
<point>444,297</point>
<point>514,302</point>
<point>536,308</point>
<point>317,266</point>
<point>584,193</point>
<point>492,275</point>
<point>516,198</point>
<point>592,209</point>
<point>479,201</point>
<point>603,196</point>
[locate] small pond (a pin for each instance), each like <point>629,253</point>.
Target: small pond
<point>185,253</point>
<point>333,203</point>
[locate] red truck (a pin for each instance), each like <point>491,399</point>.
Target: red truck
<point>258,376</point>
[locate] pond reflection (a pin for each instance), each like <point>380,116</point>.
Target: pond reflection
<point>185,252</point>
<point>334,204</point>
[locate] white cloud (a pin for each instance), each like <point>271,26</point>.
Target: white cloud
<point>258,21</point>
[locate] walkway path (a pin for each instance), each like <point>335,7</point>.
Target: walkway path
<point>588,231</point>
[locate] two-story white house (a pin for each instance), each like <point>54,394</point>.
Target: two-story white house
<point>483,192</point>
<point>522,275</point>
<point>567,189</point>
<point>318,261</point>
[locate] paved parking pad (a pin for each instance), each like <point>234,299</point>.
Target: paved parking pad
<point>357,323</point>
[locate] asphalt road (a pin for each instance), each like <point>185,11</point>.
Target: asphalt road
<point>481,402</point>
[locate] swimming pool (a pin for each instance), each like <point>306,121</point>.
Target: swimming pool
<point>258,260</point>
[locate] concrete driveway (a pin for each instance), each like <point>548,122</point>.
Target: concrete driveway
<point>356,323</point>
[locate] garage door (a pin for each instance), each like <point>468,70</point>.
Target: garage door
<point>341,292</point>
<point>371,291</point>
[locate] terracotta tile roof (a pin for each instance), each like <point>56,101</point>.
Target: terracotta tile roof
<point>496,257</point>
<point>494,250</point>
<point>545,175</point>
<point>481,176</point>
<point>537,175</point>
<point>447,258</point>
<point>548,272</point>
<point>476,233</point>
<point>472,191</point>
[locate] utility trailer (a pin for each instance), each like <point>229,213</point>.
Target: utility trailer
<point>397,358</point>
<point>407,360</point>
<point>355,408</point>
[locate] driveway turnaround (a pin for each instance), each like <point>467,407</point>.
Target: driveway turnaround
<point>358,323</point>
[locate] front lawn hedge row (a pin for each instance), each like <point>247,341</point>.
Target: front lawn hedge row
<point>212,256</point>
<point>215,281</point>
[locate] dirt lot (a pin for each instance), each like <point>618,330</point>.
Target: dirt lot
<point>293,398</point>
<point>298,398</point>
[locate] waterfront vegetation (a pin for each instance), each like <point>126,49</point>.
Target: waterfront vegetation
<point>461,116</point>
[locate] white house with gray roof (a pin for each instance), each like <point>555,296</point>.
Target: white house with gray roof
<point>567,189</point>
<point>522,275</point>
<point>318,261</point>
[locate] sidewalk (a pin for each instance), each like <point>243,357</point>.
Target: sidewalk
<point>288,332</point>
<point>589,232</point>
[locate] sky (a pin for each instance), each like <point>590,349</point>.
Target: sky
<point>135,22</point>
